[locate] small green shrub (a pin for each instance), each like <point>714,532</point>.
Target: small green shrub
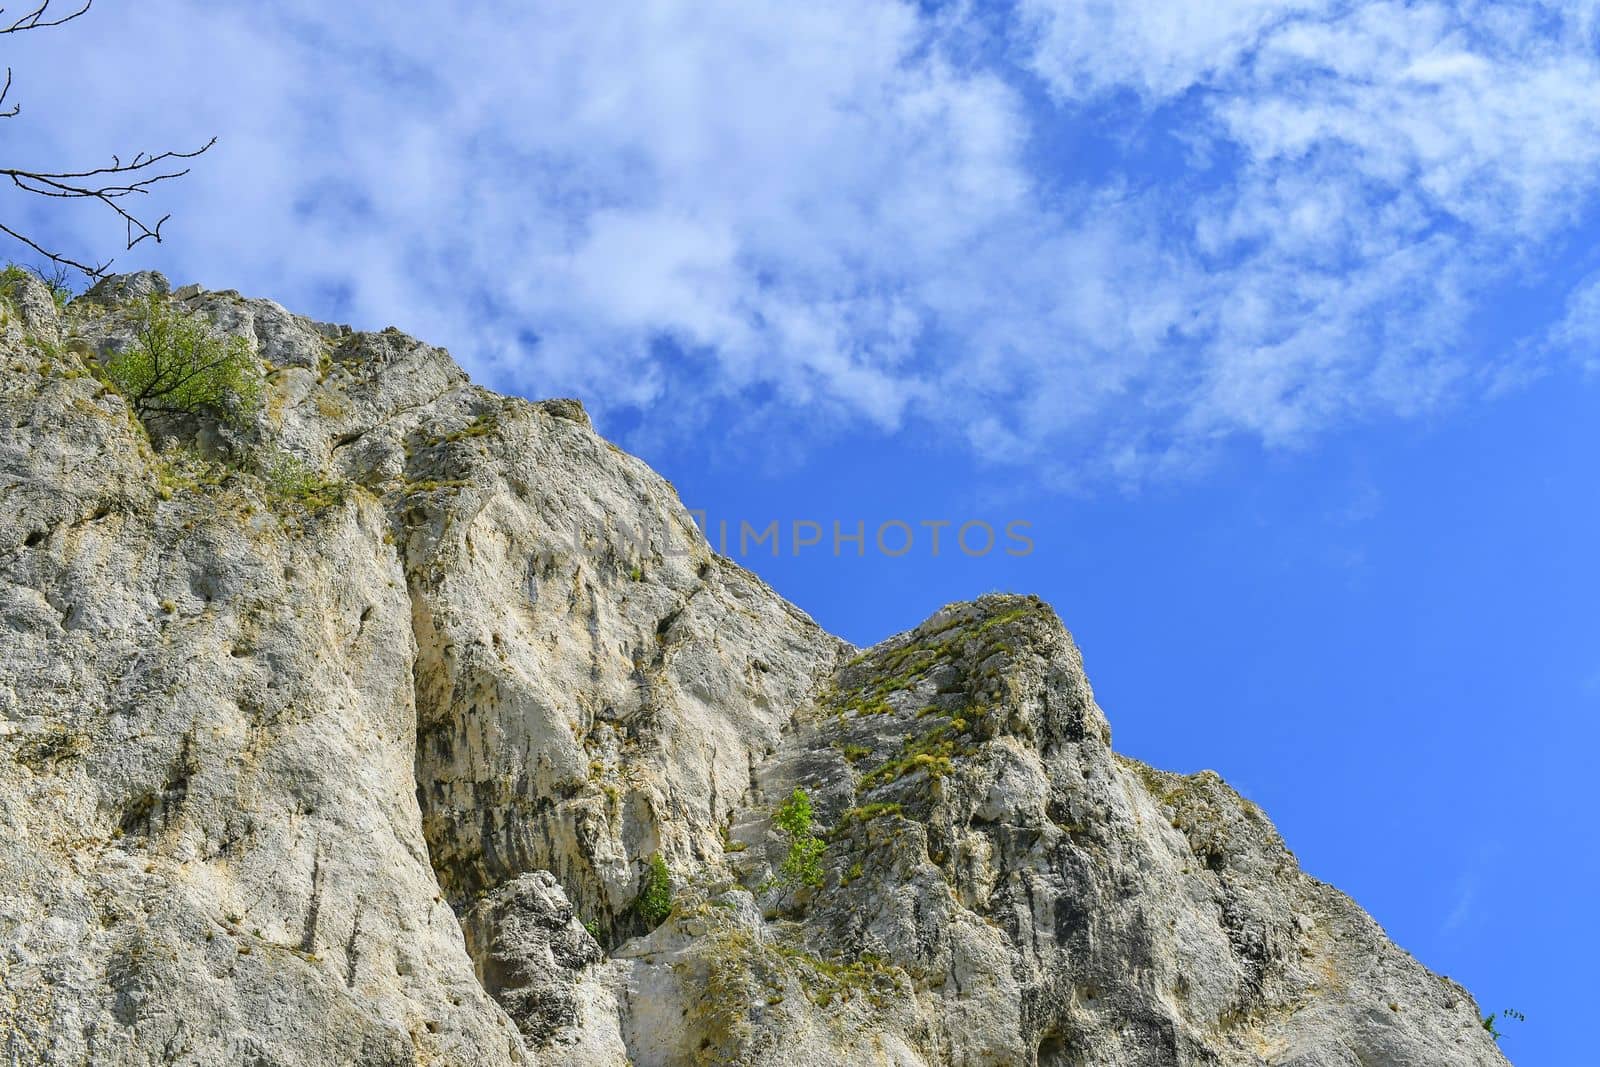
<point>290,481</point>
<point>179,365</point>
<point>54,280</point>
<point>10,275</point>
<point>655,899</point>
<point>1509,1013</point>
<point>803,864</point>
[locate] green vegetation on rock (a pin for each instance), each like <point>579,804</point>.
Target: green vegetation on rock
<point>55,281</point>
<point>866,813</point>
<point>290,481</point>
<point>179,365</point>
<point>803,864</point>
<point>655,899</point>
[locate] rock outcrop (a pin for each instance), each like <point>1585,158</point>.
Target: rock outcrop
<point>372,766</point>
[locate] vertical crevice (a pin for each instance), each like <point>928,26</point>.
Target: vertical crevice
<point>308,936</point>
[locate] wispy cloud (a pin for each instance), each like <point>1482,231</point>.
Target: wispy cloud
<point>1160,48</point>
<point>1578,331</point>
<point>1464,907</point>
<point>835,214</point>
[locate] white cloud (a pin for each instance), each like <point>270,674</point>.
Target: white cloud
<point>838,217</point>
<point>1156,48</point>
<point>1489,123</point>
<point>1394,160</point>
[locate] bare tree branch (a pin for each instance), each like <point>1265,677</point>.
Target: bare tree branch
<point>140,161</point>
<point>138,176</point>
<point>35,19</point>
<point>93,272</point>
<point>106,185</point>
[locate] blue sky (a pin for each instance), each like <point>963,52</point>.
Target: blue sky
<point>1278,321</point>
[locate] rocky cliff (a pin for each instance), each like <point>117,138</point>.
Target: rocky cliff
<point>382,763</point>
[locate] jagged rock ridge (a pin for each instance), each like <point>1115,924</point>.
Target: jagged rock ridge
<point>375,779</point>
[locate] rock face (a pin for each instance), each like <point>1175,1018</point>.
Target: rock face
<point>371,768</point>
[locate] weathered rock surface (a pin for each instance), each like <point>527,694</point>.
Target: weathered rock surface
<point>375,776</point>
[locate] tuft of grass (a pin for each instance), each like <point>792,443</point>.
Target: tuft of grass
<point>932,752</point>
<point>825,981</point>
<point>290,481</point>
<point>55,280</point>
<point>481,425</point>
<point>186,470</point>
<point>866,813</point>
<point>729,844</point>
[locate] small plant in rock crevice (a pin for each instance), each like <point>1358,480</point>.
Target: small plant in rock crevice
<point>803,863</point>
<point>655,898</point>
<point>1508,1013</point>
<point>291,481</point>
<point>55,281</point>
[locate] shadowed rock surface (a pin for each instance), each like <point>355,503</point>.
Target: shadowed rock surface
<point>370,768</point>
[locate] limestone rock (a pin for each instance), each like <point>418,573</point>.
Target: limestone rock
<point>537,959</point>
<point>35,309</point>
<point>371,768</point>
<point>119,289</point>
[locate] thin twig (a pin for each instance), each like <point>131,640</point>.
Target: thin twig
<point>34,20</point>
<point>140,161</point>
<point>54,257</point>
<point>65,185</point>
